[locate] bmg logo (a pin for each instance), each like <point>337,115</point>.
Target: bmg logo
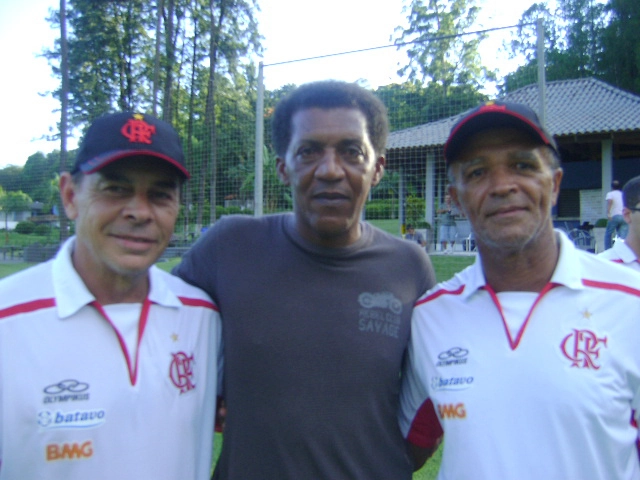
<point>449,410</point>
<point>69,451</point>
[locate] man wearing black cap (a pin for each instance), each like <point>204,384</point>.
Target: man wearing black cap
<point>108,365</point>
<point>529,356</point>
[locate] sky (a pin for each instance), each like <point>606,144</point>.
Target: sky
<point>292,30</point>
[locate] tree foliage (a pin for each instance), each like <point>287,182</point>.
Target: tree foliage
<point>436,50</point>
<point>411,103</point>
<point>583,38</point>
<point>187,59</point>
<point>15,202</point>
<point>622,36</point>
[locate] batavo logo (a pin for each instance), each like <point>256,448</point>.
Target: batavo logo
<point>449,410</point>
<point>69,451</point>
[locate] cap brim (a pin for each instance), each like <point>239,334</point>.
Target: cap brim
<point>483,120</point>
<point>101,161</point>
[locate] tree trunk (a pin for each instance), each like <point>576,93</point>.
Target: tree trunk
<point>156,63</point>
<point>64,101</point>
<point>170,49</point>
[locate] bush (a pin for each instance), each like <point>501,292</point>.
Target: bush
<point>43,229</point>
<point>25,227</point>
<point>601,223</point>
<point>379,209</point>
<point>232,210</point>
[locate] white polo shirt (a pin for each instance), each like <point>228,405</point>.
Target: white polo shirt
<point>80,398</point>
<point>621,253</point>
<point>530,386</point>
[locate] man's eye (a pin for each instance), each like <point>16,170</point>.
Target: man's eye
<point>162,195</point>
<point>525,166</point>
<point>474,173</point>
<point>308,153</point>
<point>352,154</point>
<point>115,189</point>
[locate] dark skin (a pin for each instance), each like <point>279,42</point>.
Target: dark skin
<point>506,184</point>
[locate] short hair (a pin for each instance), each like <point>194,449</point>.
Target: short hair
<point>631,192</point>
<point>615,185</point>
<point>329,94</point>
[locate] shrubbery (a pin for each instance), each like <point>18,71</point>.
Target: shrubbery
<point>25,227</point>
<point>43,229</point>
<point>381,210</point>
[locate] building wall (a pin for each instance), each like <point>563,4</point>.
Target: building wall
<point>591,206</point>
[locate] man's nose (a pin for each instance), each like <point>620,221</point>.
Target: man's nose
<point>330,165</point>
<point>138,207</point>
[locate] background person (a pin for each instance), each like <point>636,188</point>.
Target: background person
<point>448,230</point>
<point>412,235</point>
<point>615,220</point>
<point>530,356</point>
<point>316,304</point>
<point>628,252</point>
<point>107,363</point>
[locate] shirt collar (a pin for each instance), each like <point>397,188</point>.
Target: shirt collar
<point>624,252</point>
<point>567,271</point>
<point>72,294</point>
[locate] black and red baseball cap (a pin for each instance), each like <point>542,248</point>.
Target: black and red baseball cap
<point>120,135</point>
<point>496,114</point>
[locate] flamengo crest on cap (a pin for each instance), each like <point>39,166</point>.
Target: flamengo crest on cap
<point>136,130</point>
<point>491,105</point>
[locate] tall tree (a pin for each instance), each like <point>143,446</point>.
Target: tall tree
<point>108,50</point>
<point>435,48</point>
<point>233,33</point>
<point>582,38</point>
<point>64,112</point>
<point>621,36</point>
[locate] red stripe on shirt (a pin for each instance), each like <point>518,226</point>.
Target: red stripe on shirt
<point>28,307</point>
<point>425,430</point>
<point>197,302</point>
<point>439,293</point>
<point>611,286</point>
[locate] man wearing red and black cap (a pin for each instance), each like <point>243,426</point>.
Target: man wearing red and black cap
<point>108,365</point>
<point>529,356</point>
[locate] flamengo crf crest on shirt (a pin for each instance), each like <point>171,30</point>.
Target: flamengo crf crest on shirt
<point>582,347</point>
<point>181,371</point>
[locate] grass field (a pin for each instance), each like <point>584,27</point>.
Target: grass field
<point>444,265</point>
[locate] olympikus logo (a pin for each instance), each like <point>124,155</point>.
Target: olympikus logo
<point>450,410</point>
<point>69,451</point>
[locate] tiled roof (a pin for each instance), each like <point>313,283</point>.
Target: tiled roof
<point>574,107</point>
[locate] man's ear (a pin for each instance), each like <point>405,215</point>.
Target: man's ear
<point>68,195</point>
<point>453,193</point>
<point>379,171</point>
<point>557,179</point>
<point>281,170</point>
